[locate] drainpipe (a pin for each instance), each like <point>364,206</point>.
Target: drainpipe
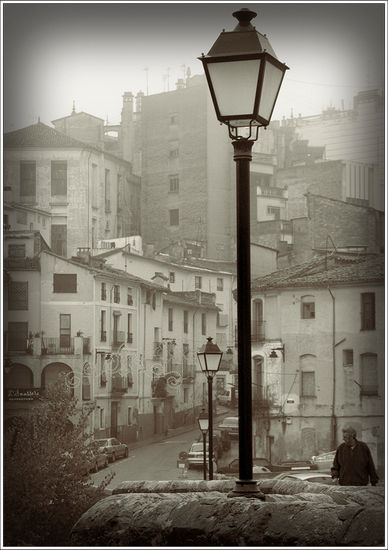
<point>333,416</point>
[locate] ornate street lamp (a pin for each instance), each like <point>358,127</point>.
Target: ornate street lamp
<point>203,422</point>
<point>244,78</point>
<point>209,359</point>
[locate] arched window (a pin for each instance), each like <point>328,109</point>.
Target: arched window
<point>51,374</point>
<point>307,307</point>
<point>19,376</point>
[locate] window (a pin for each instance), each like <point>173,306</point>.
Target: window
<point>129,329</point>
<point>17,336</point>
<point>102,418</point>
<point>185,321</point>
<point>220,283</point>
<point>368,314</point>
<point>203,323</point>
<point>174,216</point>
<point>64,330</point>
<point>58,177</point>
<point>308,307</point>
<point>347,357</point>
<point>103,371</point>
<point>129,416</point>
<point>17,295</point>
<point>116,294</point>
<point>129,296</point>
<point>65,282</point>
<point>198,282</point>
<point>21,217</point>
<point>274,211</point>
<point>172,277</point>
<point>174,153</point>
<point>369,378</point>
<point>28,179</point>
<point>94,185</point>
<point>103,326</point>
<point>17,250</point>
<point>170,319</point>
<point>103,291</point>
<point>308,384</point>
<point>185,395</point>
<point>174,183</point>
<point>59,239</point>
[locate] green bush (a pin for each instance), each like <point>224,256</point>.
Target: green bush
<point>45,489</point>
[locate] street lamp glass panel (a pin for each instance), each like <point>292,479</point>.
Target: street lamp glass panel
<point>271,84</point>
<point>203,424</point>
<point>212,362</point>
<point>201,359</point>
<point>235,85</point>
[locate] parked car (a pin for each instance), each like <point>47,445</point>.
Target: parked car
<point>258,470</point>
<point>97,461</point>
<point>324,461</point>
<point>112,447</point>
<point>293,465</point>
<point>312,477</point>
<point>230,426</point>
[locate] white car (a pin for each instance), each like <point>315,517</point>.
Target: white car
<point>313,476</point>
<point>324,461</point>
<point>195,456</point>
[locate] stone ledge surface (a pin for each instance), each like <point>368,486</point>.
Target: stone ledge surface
<point>200,513</point>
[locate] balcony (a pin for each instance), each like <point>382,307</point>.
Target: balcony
<point>103,336</point>
<point>21,263</point>
<point>258,331</point>
<point>58,346</point>
<point>118,338</point>
<point>188,374</point>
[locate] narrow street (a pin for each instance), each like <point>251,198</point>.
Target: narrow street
<point>155,461</point>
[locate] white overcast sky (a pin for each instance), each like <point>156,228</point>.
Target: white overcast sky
<point>92,52</point>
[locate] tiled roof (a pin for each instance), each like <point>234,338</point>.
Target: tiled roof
<point>40,135</point>
<point>340,271</point>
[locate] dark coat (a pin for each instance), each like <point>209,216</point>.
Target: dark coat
<point>354,466</point>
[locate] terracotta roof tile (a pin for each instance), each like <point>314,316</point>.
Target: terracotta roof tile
<point>360,269</point>
<point>40,135</point>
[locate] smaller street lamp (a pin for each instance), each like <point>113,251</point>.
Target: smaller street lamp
<point>210,359</point>
<point>203,422</point>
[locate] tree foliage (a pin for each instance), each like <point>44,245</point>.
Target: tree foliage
<point>45,489</point>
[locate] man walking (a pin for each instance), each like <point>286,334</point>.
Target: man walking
<point>353,462</point>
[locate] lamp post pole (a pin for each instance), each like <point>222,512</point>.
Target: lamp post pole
<point>210,359</point>
<point>210,413</point>
<point>203,422</point>
<point>242,157</point>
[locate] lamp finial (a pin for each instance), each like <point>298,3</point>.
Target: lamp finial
<point>244,17</point>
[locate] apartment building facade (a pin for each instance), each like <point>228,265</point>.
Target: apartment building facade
<point>319,364</point>
<point>90,194</point>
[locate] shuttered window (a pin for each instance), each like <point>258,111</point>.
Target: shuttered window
<point>17,295</point>
<point>368,314</point>
<point>308,384</point>
<point>65,282</point>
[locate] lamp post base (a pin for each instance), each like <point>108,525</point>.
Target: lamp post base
<point>247,488</point>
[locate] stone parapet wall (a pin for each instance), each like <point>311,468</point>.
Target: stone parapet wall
<point>200,513</point>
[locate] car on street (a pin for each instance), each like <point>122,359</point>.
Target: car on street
<point>95,462</point>
<point>324,461</point>
<point>194,458</point>
<point>258,470</point>
<point>230,426</point>
<point>112,447</point>
<point>310,476</point>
